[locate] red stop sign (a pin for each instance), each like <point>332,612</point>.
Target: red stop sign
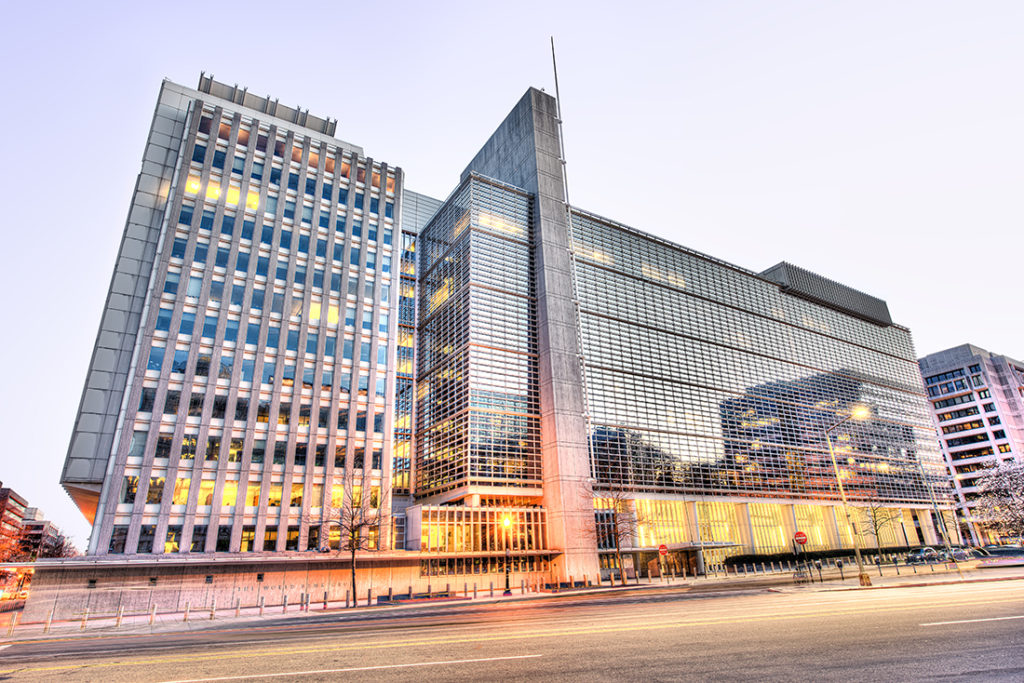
<point>800,537</point>
<point>663,549</point>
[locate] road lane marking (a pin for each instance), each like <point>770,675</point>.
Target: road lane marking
<point>545,633</point>
<point>354,668</point>
<point>971,621</point>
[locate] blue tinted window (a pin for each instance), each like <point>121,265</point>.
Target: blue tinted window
<point>359,200</point>
<point>231,331</point>
<point>248,366</point>
<point>282,271</point>
<point>293,340</point>
<point>325,219</point>
<point>389,210</point>
<point>257,170</point>
<point>275,176</point>
<point>387,235</point>
<point>303,244</point>
<point>346,349</point>
<point>257,299</point>
<point>286,239</point>
<point>222,257</point>
<point>248,227</point>
<point>210,326</point>
<point>307,215</point>
<point>199,153</point>
<point>178,248</point>
<point>237,294</point>
<point>252,334</point>
<point>374,205</point>
<point>238,165</point>
<point>268,372</point>
<point>163,319</point>
<point>327,191</point>
<point>300,275</point>
<point>227,225</point>
<point>318,277</point>
<point>180,361</point>
<point>267,234</point>
<point>339,248</point>
<point>273,337</point>
<point>335,282</point>
<point>357,228</point>
<point>343,196</point>
<point>206,222</point>
<point>171,283</point>
<point>277,305</point>
<point>195,286</point>
<point>188,322</point>
<point>199,255</point>
<point>339,224</point>
<point>371,232</point>
<point>329,344</point>
<point>321,248</point>
<point>289,209</point>
<point>242,265</point>
<point>218,158</point>
<point>364,352</point>
<point>354,256</point>
<point>262,265</point>
<point>185,217</point>
<point>293,181</point>
<point>271,206</point>
<point>156,358</point>
<point>311,341</point>
<point>367,319</point>
<point>311,186</point>
<point>385,264</point>
<point>350,316</point>
<point>382,355</point>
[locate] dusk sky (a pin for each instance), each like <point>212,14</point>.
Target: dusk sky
<point>880,144</point>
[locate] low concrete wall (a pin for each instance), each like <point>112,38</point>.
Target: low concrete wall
<point>137,588</point>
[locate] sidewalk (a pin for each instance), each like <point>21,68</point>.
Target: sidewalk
<point>779,581</point>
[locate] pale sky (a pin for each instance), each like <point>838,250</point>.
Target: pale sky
<point>877,143</point>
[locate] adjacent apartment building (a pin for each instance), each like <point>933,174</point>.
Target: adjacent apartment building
<point>289,328</point>
<point>977,404</point>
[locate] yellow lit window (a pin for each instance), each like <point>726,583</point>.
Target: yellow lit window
<point>274,499</point>
<point>206,492</point>
<point>391,185</point>
<point>374,496</point>
<point>357,495</point>
<point>192,185</point>
<point>296,500</point>
<point>252,201</point>
<point>337,495</point>
<point>314,310</point>
<point>213,190</point>
<point>318,495</point>
<point>230,493</point>
<point>332,314</point>
<point>180,496</point>
<point>233,194</point>
<point>252,494</point>
<point>376,179</point>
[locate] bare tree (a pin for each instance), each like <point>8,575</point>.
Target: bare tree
<point>63,547</point>
<point>358,518</point>
<point>1000,505</point>
<point>877,518</point>
<point>616,520</point>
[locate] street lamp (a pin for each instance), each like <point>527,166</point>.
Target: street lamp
<point>857,413</point>
<point>507,523</point>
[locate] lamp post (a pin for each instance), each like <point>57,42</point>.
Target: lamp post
<point>858,413</point>
<point>507,523</point>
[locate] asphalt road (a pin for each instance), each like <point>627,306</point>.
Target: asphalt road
<point>965,631</point>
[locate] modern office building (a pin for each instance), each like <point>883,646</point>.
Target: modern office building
<point>289,328</point>
<point>41,537</point>
<point>12,514</point>
<point>977,404</point>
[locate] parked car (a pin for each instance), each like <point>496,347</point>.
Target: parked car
<point>1004,550</point>
<point>919,555</point>
<point>955,554</point>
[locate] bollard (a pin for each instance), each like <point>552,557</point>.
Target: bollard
<point>238,607</point>
<point>346,598</point>
<point>465,589</point>
<point>262,603</point>
<point>213,609</point>
<point>522,586</point>
<point>636,577</point>
<point>762,567</point>
<point>474,590</point>
<point>390,594</point>
<point>572,584</point>
<point>369,597</point>
<point>188,606</point>
<point>152,614</point>
<point>284,604</point>
<point>49,620</point>
<point>492,589</point>
<point>430,591</point>
<point>12,623</point>
<point>120,616</point>
<point>448,590</point>
<point>85,618</point>
<point>325,599</point>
